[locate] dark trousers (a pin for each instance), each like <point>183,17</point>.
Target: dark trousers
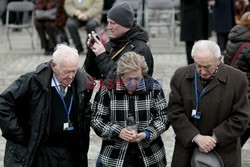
<point>56,156</point>
<point>245,136</point>
<point>73,24</point>
<point>189,46</point>
<point>46,33</point>
<point>222,39</point>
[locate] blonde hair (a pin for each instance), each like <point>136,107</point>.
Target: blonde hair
<point>130,62</point>
<point>245,20</point>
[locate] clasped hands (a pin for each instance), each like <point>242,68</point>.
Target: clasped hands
<point>205,143</point>
<point>131,135</point>
<point>80,15</point>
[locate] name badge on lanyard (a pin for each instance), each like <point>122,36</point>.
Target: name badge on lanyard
<point>67,126</point>
<point>196,113</point>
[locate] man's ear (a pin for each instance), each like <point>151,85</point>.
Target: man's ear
<point>53,65</point>
<point>220,60</point>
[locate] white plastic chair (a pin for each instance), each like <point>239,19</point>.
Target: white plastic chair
<point>161,13</point>
<point>20,6</point>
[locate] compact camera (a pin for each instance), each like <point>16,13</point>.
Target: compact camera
<point>92,39</point>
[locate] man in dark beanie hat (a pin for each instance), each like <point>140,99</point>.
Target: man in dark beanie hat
<point>122,14</point>
<point>125,35</point>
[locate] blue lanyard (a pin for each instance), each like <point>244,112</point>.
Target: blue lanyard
<point>197,96</point>
<point>62,98</point>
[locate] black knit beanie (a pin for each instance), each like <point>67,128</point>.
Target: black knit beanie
<point>123,14</point>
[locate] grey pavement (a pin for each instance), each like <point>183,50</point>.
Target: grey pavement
<point>23,59</point>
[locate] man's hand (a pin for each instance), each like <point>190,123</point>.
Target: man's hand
<point>82,16</point>
<point>77,13</point>
<point>97,47</point>
<point>205,143</point>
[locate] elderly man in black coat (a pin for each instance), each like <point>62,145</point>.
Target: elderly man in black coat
<point>42,126</point>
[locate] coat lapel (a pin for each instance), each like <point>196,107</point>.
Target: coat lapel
<point>220,77</point>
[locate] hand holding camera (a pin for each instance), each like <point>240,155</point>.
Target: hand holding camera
<point>95,44</point>
<point>93,37</point>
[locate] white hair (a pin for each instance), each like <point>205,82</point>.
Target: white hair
<point>206,45</point>
<point>62,51</point>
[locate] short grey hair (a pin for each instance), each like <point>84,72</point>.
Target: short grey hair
<point>206,45</point>
<point>131,61</point>
<point>63,50</point>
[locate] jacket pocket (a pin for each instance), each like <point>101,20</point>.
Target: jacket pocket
<point>16,155</point>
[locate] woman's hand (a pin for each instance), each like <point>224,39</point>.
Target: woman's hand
<point>128,135</point>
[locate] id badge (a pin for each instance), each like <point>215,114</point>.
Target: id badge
<point>68,126</point>
<point>196,114</point>
<point>193,113</point>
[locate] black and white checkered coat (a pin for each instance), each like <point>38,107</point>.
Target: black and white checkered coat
<point>110,111</point>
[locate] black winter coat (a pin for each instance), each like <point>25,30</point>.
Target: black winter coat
<point>136,40</point>
<point>24,109</point>
<point>236,37</point>
<point>223,16</point>
<point>194,20</point>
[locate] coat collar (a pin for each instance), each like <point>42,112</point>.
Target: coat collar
<point>220,76</point>
<point>44,73</point>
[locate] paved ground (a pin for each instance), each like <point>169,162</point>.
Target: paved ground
<point>23,59</point>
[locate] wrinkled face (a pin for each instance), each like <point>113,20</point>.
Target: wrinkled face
<point>131,80</point>
<point>65,71</point>
<point>205,63</point>
<point>116,30</point>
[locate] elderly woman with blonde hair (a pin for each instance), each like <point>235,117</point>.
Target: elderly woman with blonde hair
<point>130,116</point>
<point>238,46</point>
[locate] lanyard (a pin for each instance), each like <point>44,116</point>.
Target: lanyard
<point>197,96</point>
<point>119,51</point>
<point>62,98</point>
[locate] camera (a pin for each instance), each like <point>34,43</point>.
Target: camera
<point>92,39</point>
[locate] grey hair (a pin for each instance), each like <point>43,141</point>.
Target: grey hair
<point>206,45</point>
<point>63,50</point>
<point>131,61</point>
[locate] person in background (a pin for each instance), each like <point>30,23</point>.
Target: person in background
<point>240,6</point>
<point>106,7</point>
<point>47,28</point>
<point>223,20</point>
<point>82,13</point>
<point>194,23</point>
<point>126,36</point>
<point>208,107</point>
<point>130,115</point>
<point>239,35</point>
<point>45,114</point>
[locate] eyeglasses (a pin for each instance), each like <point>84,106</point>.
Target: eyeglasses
<point>131,78</point>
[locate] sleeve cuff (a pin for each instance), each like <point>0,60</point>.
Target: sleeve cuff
<point>147,134</point>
